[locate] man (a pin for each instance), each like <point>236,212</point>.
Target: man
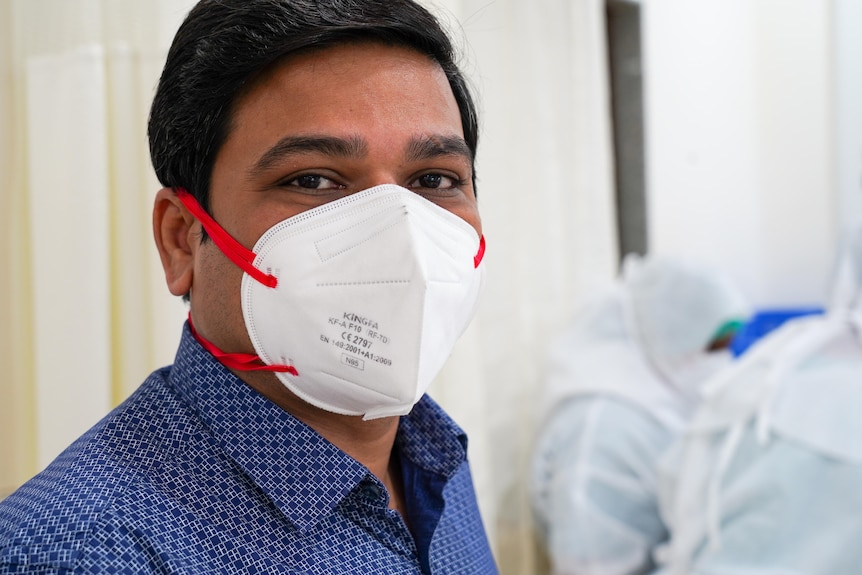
<point>319,214</point>
<point>621,385</point>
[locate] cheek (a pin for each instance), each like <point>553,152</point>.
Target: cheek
<point>470,214</point>
<point>216,294</point>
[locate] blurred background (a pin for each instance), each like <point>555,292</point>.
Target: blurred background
<point>722,131</point>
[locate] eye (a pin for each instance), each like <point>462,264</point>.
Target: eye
<point>435,181</point>
<point>313,182</point>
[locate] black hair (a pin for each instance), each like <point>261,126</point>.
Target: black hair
<point>224,44</point>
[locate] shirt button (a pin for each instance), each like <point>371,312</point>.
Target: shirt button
<point>371,491</point>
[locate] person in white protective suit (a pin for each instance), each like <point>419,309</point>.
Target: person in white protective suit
<point>768,481</point>
<point>621,384</point>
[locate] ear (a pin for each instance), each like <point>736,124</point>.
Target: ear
<point>172,227</point>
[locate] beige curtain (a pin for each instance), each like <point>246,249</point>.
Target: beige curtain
<point>85,316</point>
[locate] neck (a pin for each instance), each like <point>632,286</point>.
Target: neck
<point>368,442</point>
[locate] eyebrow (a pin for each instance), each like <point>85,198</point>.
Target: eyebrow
<point>429,147</point>
<point>352,147</point>
<point>418,148</point>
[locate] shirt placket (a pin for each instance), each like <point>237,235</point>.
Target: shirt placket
<point>385,525</point>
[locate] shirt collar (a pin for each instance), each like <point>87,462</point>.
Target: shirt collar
<point>285,457</point>
<point>429,439</point>
<point>282,455</point>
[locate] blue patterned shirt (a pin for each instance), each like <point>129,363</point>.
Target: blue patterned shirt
<point>197,473</point>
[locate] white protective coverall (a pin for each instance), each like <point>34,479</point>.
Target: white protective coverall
<point>768,480</point>
<point>621,385</point>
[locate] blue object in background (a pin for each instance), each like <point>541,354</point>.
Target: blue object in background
<point>765,321</point>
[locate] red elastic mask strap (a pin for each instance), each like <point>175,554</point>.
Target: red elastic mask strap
<point>477,259</point>
<point>239,361</point>
<point>238,253</point>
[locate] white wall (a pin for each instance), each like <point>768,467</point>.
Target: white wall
<point>847,17</point>
<point>740,141</point>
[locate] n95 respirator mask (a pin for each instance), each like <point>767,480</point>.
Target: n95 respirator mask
<point>356,304</point>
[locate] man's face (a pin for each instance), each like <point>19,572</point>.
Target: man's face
<point>316,128</point>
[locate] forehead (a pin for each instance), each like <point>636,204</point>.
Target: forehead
<point>364,85</point>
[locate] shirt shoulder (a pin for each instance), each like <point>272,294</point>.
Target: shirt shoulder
<point>49,519</point>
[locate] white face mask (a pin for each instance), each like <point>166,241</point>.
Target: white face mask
<point>371,293</point>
